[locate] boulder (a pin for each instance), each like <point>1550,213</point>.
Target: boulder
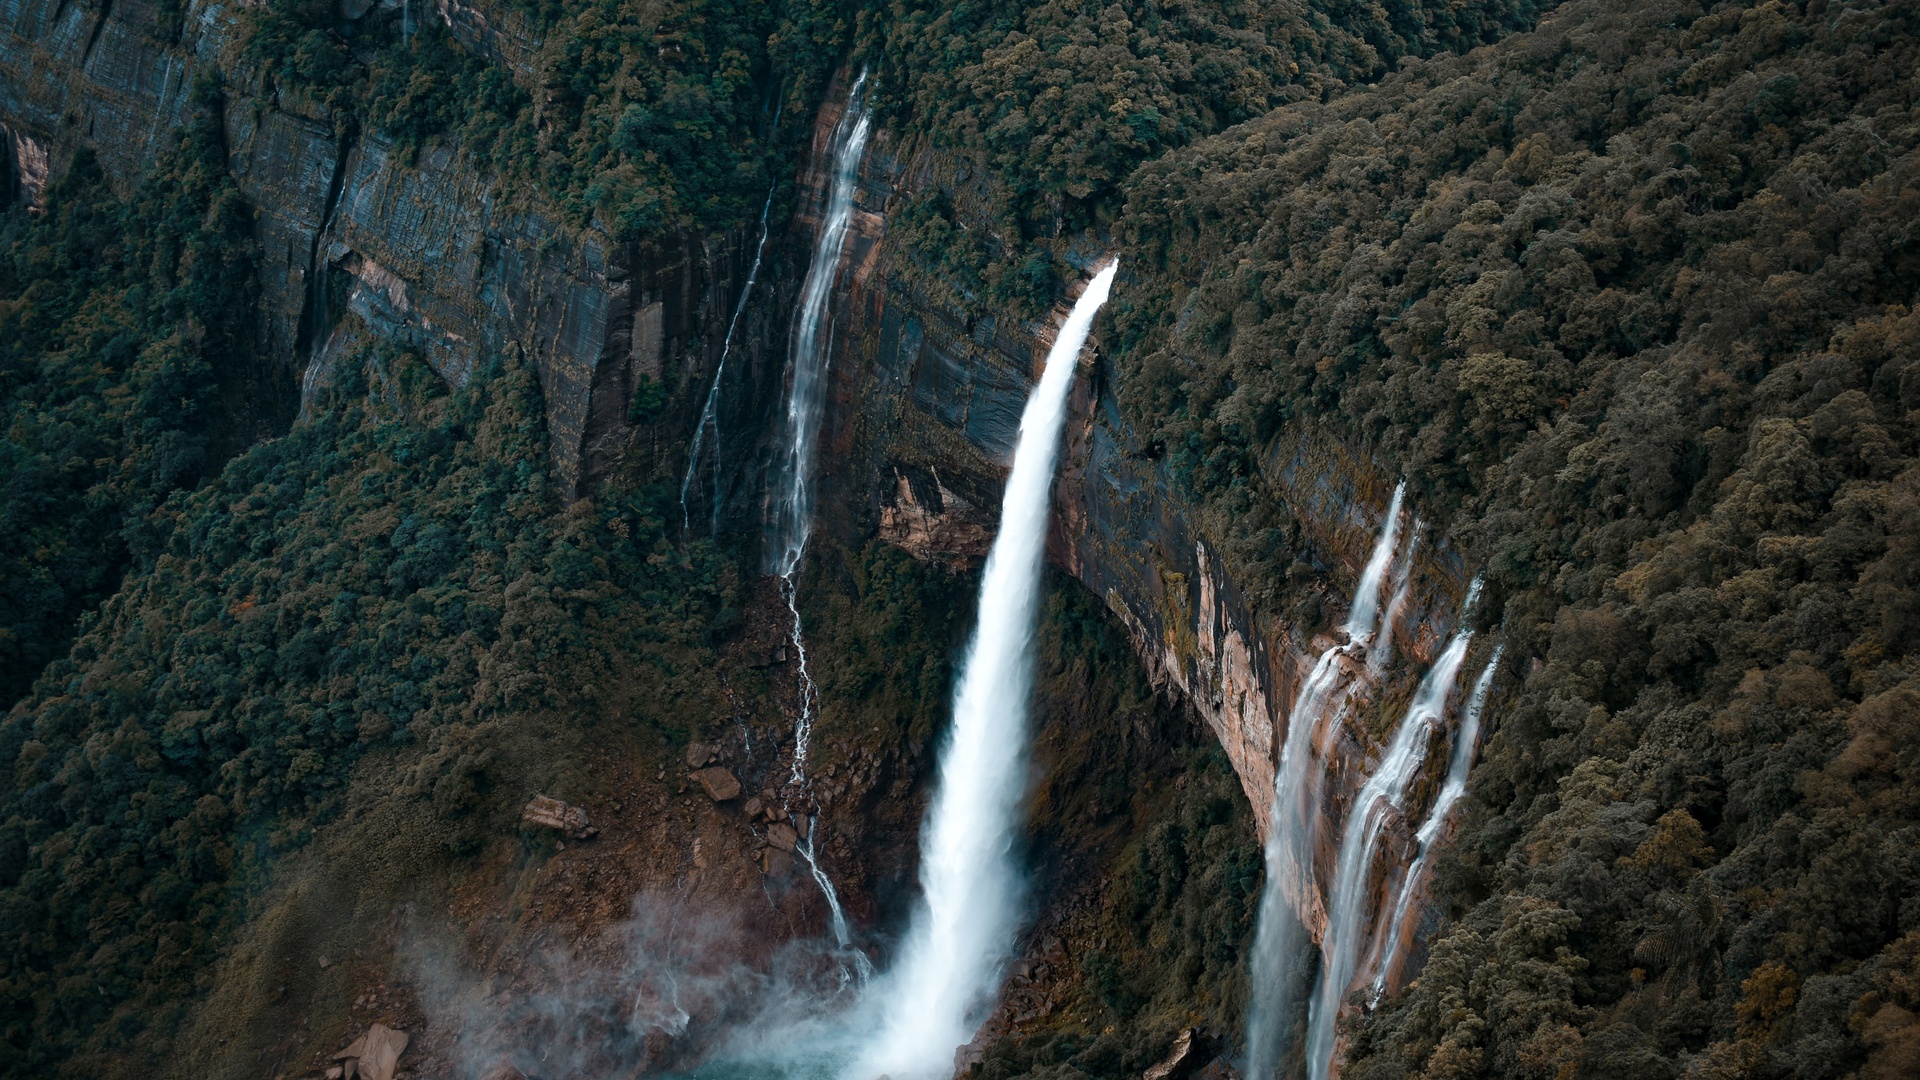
<point>781,835</point>
<point>373,1055</point>
<point>720,784</point>
<point>699,754</point>
<point>565,818</point>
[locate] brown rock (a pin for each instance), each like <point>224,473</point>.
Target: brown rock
<point>372,1056</point>
<point>754,806</point>
<point>775,863</point>
<point>720,784</point>
<point>699,754</point>
<point>782,836</point>
<point>934,523</point>
<point>565,818</point>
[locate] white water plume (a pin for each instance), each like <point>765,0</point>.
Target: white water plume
<point>1319,705</point>
<point>710,413</point>
<point>1465,739</point>
<point>963,929</point>
<point>1379,798</point>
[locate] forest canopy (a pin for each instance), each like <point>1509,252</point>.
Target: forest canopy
<point>1629,300</point>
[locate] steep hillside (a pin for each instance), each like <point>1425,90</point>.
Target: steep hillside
<point>1627,300</point>
<point>351,357</point>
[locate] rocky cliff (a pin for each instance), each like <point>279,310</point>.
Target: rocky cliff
<point>426,252</point>
<point>927,402</point>
<point>927,390</point>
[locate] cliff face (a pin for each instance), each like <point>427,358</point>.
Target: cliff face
<point>926,412</point>
<point>430,253</point>
<point>926,398</point>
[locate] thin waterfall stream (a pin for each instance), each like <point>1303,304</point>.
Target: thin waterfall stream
<point>792,494</point>
<point>1465,740</point>
<point>710,412</point>
<point>1378,800</point>
<point>962,931</point>
<point>1319,706</point>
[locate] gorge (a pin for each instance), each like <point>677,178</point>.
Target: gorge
<point>1474,630</point>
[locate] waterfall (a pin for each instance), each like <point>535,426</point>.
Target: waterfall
<point>1319,705</point>
<point>963,928</point>
<point>1381,654</point>
<point>1465,740</point>
<point>710,413</point>
<point>791,497</point>
<point>1367,818</point>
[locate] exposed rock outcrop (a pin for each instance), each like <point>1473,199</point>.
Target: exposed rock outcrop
<point>933,523</point>
<point>564,818</point>
<point>719,784</point>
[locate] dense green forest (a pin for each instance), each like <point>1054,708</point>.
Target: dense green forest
<point>128,370</point>
<point>1629,301</point>
<point>1045,109</point>
<point>1629,298</point>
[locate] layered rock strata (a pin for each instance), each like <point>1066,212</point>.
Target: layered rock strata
<point>429,252</point>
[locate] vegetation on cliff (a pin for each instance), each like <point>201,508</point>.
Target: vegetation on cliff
<point>633,117</point>
<point>1047,108</point>
<point>1628,299</point>
<point>128,370</point>
<point>393,576</point>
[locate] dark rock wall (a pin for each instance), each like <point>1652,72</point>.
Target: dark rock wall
<point>438,256</point>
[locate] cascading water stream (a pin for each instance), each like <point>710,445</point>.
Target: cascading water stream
<point>1381,796</point>
<point>1319,704</point>
<point>1381,654</point>
<point>791,503</point>
<point>792,496</point>
<point>710,413</point>
<point>1465,740</point>
<point>963,929</point>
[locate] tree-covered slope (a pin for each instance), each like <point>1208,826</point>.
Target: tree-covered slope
<point>1043,110</point>
<point>128,370</point>
<point>1628,300</point>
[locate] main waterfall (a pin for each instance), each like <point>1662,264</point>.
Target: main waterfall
<point>963,929</point>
